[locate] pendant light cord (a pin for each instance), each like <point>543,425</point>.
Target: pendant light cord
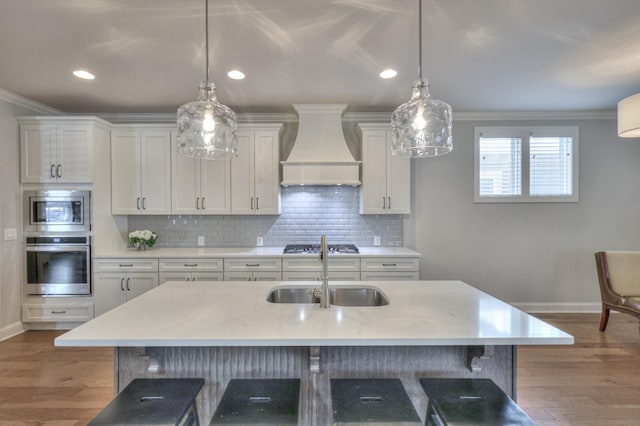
<point>206,37</point>
<point>420,39</point>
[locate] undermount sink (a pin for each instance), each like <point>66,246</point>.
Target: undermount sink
<point>340,296</point>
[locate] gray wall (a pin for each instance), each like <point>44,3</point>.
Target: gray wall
<point>10,251</point>
<point>538,256</point>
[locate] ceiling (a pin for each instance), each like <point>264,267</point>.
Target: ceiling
<point>489,55</point>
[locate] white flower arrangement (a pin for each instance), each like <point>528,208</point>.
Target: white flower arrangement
<point>142,239</point>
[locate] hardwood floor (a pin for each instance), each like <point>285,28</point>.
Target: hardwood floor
<point>594,382</point>
<point>41,384</point>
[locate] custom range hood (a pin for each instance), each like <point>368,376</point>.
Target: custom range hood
<point>320,155</point>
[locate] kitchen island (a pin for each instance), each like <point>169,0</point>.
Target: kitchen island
<point>225,330</point>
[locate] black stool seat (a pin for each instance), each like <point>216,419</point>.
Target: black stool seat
<point>153,402</point>
<point>470,402</point>
<point>371,401</point>
<point>259,401</point>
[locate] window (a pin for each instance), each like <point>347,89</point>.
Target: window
<point>526,164</point>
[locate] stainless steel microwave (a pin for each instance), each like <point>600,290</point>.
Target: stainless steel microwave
<point>57,210</point>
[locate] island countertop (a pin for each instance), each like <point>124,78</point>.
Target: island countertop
<point>420,313</point>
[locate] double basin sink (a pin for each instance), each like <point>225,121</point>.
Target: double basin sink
<point>340,296</point>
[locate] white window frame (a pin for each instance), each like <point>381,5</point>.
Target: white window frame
<point>524,133</point>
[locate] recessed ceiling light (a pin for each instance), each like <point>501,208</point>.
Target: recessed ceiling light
<point>85,75</point>
<point>236,74</point>
<point>388,73</point>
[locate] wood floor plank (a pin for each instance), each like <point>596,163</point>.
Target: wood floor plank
<point>594,382</point>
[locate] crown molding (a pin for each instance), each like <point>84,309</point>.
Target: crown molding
<point>353,117</point>
<point>170,118</point>
<point>21,101</point>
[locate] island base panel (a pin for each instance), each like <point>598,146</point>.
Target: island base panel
<point>218,365</point>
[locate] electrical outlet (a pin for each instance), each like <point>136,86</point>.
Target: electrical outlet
<point>201,240</point>
<point>376,240</point>
<point>10,234</point>
<point>259,242</point>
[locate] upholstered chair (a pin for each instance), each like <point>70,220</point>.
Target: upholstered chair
<point>619,278</point>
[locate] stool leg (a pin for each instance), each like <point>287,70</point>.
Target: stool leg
<point>604,318</point>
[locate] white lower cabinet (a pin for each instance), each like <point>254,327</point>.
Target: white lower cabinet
<point>389,269</point>
<point>116,281</point>
<point>310,269</point>
<point>253,269</point>
<point>54,309</point>
<point>190,269</point>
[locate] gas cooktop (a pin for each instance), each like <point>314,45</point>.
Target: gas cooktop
<point>315,248</point>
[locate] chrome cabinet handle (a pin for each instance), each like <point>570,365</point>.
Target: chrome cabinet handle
<point>124,265</point>
<point>59,170</point>
<point>257,203</point>
<point>128,289</point>
<point>51,171</point>
<point>384,203</point>
<point>203,207</point>
<point>252,264</point>
<point>122,284</point>
<point>143,200</point>
<point>388,264</point>
<point>58,312</point>
<point>198,203</point>
<point>191,264</point>
<point>138,203</point>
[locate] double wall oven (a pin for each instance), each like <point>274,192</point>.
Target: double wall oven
<point>57,232</point>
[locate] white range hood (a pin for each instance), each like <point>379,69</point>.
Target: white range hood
<point>320,155</point>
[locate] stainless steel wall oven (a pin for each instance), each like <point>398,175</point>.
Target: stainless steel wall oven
<point>58,265</point>
<point>57,244</point>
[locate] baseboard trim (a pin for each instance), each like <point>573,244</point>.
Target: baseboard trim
<point>559,307</point>
<point>11,330</point>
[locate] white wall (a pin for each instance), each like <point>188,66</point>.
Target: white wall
<point>538,256</point>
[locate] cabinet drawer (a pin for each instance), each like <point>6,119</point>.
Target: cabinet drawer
<point>253,276</point>
<point>49,313</point>
<point>190,264</point>
<point>252,264</point>
<point>389,276</point>
<point>125,265</point>
<point>313,264</point>
<point>389,264</point>
<point>190,276</point>
<point>315,276</point>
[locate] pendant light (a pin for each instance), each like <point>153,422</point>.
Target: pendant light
<point>629,117</point>
<point>421,127</point>
<point>206,128</point>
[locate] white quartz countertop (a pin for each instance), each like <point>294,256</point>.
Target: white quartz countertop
<point>420,313</point>
<point>193,252</point>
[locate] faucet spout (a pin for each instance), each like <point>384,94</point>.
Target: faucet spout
<point>323,293</point>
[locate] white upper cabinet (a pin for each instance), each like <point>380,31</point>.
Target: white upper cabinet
<point>199,186</point>
<point>386,179</point>
<point>57,150</point>
<point>255,180</point>
<point>141,171</point>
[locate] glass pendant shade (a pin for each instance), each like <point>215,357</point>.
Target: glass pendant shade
<point>421,127</point>
<point>206,128</point>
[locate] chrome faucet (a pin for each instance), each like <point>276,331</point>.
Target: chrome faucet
<point>323,293</point>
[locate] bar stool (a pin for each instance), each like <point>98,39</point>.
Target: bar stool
<point>470,402</point>
<point>371,401</point>
<point>263,401</point>
<point>153,401</point>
